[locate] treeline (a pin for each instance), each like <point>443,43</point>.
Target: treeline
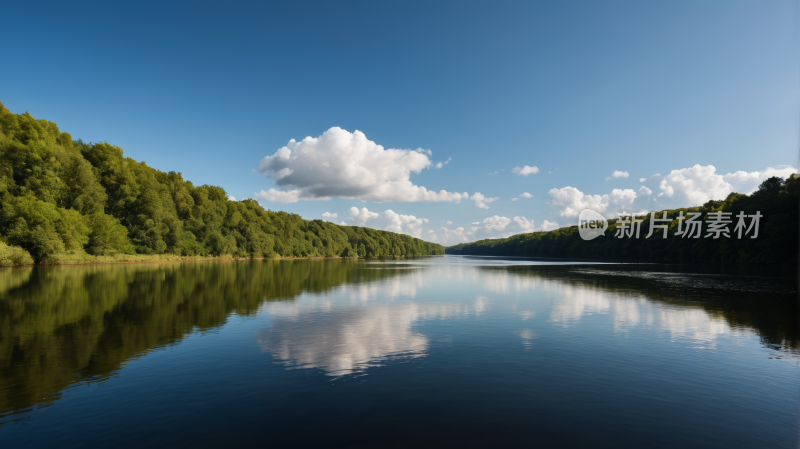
<point>777,242</point>
<point>67,201</point>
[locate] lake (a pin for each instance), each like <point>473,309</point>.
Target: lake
<point>431,352</point>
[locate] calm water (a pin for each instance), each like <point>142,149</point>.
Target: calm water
<point>444,351</point>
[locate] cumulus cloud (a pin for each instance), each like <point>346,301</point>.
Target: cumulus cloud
<point>514,199</point>
<point>744,182</point>
<point>694,186</point>
<point>404,224</point>
<point>685,187</point>
<point>525,171</point>
<point>548,225</point>
<point>449,222</point>
<point>571,201</point>
<point>450,237</point>
<point>329,216</point>
<point>348,165</point>
<point>231,198</point>
<point>526,195</point>
<point>618,174</point>
<point>359,217</point>
<point>278,196</point>
<point>491,227</point>
<point>481,200</point>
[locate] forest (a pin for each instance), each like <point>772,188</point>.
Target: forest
<point>66,201</point>
<point>777,242</point>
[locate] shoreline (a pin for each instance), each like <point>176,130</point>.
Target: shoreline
<point>180,259</point>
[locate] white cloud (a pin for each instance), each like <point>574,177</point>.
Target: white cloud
<point>441,164</point>
<point>571,201</point>
<point>481,200</point>
<point>490,228</point>
<point>548,225</point>
<point>277,196</point>
<point>523,224</point>
<point>348,165</point>
<point>525,171</point>
<point>404,224</point>
<point>744,182</point>
<point>359,217</point>
<point>685,187</point>
<point>526,195</point>
<point>329,216</point>
<point>450,237</point>
<point>449,222</point>
<point>231,198</point>
<point>618,174</point>
<point>514,199</point>
<point>694,186</point>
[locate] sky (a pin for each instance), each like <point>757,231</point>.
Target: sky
<point>449,121</point>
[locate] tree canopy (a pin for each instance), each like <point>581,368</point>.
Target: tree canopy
<point>63,197</point>
<point>776,200</point>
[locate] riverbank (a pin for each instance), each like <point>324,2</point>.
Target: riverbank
<point>14,256</point>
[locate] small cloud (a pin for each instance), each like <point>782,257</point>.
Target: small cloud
<point>642,179</point>
<point>360,216</point>
<point>231,198</point>
<point>278,196</point>
<point>619,174</point>
<point>514,199</point>
<point>449,222</point>
<point>526,170</point>
<point>330,216</point>
<point>481,200</point>
<point>526,195</point>
<point>548,225</point>
<point>442,164</point>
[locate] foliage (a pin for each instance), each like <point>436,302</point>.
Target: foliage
<point>776,199</point>
<point>69,200</point>
<point>14,256</point>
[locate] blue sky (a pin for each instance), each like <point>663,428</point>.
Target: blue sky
<point>578,89</point>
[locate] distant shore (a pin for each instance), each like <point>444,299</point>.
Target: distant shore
<point>165,258</point>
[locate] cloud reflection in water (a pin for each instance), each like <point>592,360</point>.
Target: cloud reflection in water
<point>345,338</point>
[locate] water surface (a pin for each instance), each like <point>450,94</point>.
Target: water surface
<point>453,350</point>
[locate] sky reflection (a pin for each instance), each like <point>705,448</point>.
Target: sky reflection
<point>361,326</point>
